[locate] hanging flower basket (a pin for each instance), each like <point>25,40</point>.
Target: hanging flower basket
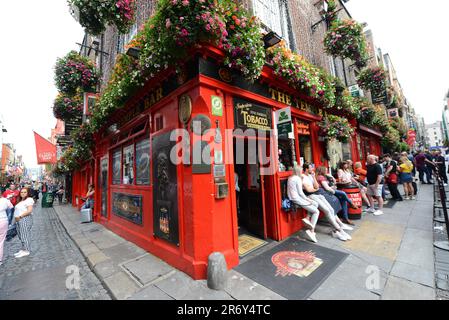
<point>346,39</point>
<point>299,73</point>
<point>373,79</point>
<point>334,127</point>
<point>75,72</point>
<point>95,15</point>
<point>67,108</point>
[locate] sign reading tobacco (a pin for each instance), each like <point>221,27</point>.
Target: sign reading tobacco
<point>251,116</point>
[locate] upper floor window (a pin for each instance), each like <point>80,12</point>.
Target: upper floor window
<point>275,17</point>
<point>124,39</point>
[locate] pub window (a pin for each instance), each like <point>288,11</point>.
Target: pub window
<point>143,162</point>
<point>116,166</point>
<point>347,154</point>
<point>305,142</point>
<point>286,153</point>
<point>128,165</point>
<point>274,16</point>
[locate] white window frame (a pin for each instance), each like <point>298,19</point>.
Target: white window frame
<point>274,17</point>
<point>124,39</point>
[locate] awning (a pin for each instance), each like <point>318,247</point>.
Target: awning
<point>370,131</point>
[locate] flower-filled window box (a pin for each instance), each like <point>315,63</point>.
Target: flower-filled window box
<point>74,72</point>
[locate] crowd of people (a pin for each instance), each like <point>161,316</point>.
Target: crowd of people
<point>317,191</point>
<point>16,211</point>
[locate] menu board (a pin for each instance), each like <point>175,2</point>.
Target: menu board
<point>143,162</point>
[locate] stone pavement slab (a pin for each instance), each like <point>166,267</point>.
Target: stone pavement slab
<point>241,288</point>
<point>414,273</point>
<point>147,269</point>
<point>150,293</point>
<point>121,285</point>
<point>181,287</point>
<point>399,289</point>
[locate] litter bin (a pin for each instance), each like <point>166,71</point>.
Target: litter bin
<point>47,200</point>
<point>354,194</point>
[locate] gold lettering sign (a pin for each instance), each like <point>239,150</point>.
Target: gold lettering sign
<point>291,101</point>
<point>250,116</point>
<point>150,99</point>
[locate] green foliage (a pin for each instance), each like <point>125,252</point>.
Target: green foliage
<point>346,39</point>
<point>334,127</point>
<point>73,73</point>
<point>95,15</point>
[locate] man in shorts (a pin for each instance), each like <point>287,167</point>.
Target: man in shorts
<point>375,184</point>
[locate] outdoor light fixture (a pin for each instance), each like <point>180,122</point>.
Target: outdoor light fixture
<point>133,52</point>
<point>271,39</point>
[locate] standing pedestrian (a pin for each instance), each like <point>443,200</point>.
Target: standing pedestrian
<point>5,204</point>
<point>429,165</point>
<point>420,161</point>
<point>440,161</point>
<point>375,185</point>
<point>406,168</point>
<point>11,194</point>
<point>60,193</point>
<point>391,177</point>
<point>24,219</point>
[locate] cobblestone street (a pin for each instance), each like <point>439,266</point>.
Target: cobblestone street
<point>43,275</point>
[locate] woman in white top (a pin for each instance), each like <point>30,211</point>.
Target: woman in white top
<point>24,219</point>
<point>4,204</point>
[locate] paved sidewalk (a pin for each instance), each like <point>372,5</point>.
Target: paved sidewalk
<point>43,275</point>
<point>399,244</point>
<point>390,257</point>
<point>129,272</point>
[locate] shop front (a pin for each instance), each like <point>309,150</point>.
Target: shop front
<point>368,142</point>
<point>196,158</point>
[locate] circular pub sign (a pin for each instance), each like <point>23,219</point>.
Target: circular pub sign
<point>300,264</point>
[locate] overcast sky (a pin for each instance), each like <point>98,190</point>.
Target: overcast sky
<point>35,33</point>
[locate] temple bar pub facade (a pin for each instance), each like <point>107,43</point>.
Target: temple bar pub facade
<point>183,212</point>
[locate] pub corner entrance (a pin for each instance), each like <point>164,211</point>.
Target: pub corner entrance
<point>254,206</point>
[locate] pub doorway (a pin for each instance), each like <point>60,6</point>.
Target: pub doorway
<point>253,208</point>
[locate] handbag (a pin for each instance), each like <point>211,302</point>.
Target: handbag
<point>11,233</point>
<point>392,178</point>
<point>286,205</point>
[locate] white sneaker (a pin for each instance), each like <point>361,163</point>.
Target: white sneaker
<point>23,254</point>
<point>346,227</point>
<point>309,235</point>
<point>347,236</point>
<point>378,213</point>
<point>18,253</point>
<point>307,223</point>
<point>339,235</point>
<point>413,198</point>
<point>371,210</point>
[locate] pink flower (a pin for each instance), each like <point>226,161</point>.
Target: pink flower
<point>185,3</point>
<point>168,23</point>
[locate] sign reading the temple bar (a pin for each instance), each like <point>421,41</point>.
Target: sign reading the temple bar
<point>251,116</point>
<point>165,190</point>
<point>127,206</point>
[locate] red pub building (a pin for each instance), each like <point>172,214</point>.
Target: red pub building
<point>183,212</point>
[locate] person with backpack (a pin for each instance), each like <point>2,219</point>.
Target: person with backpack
<point>391,177</point>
